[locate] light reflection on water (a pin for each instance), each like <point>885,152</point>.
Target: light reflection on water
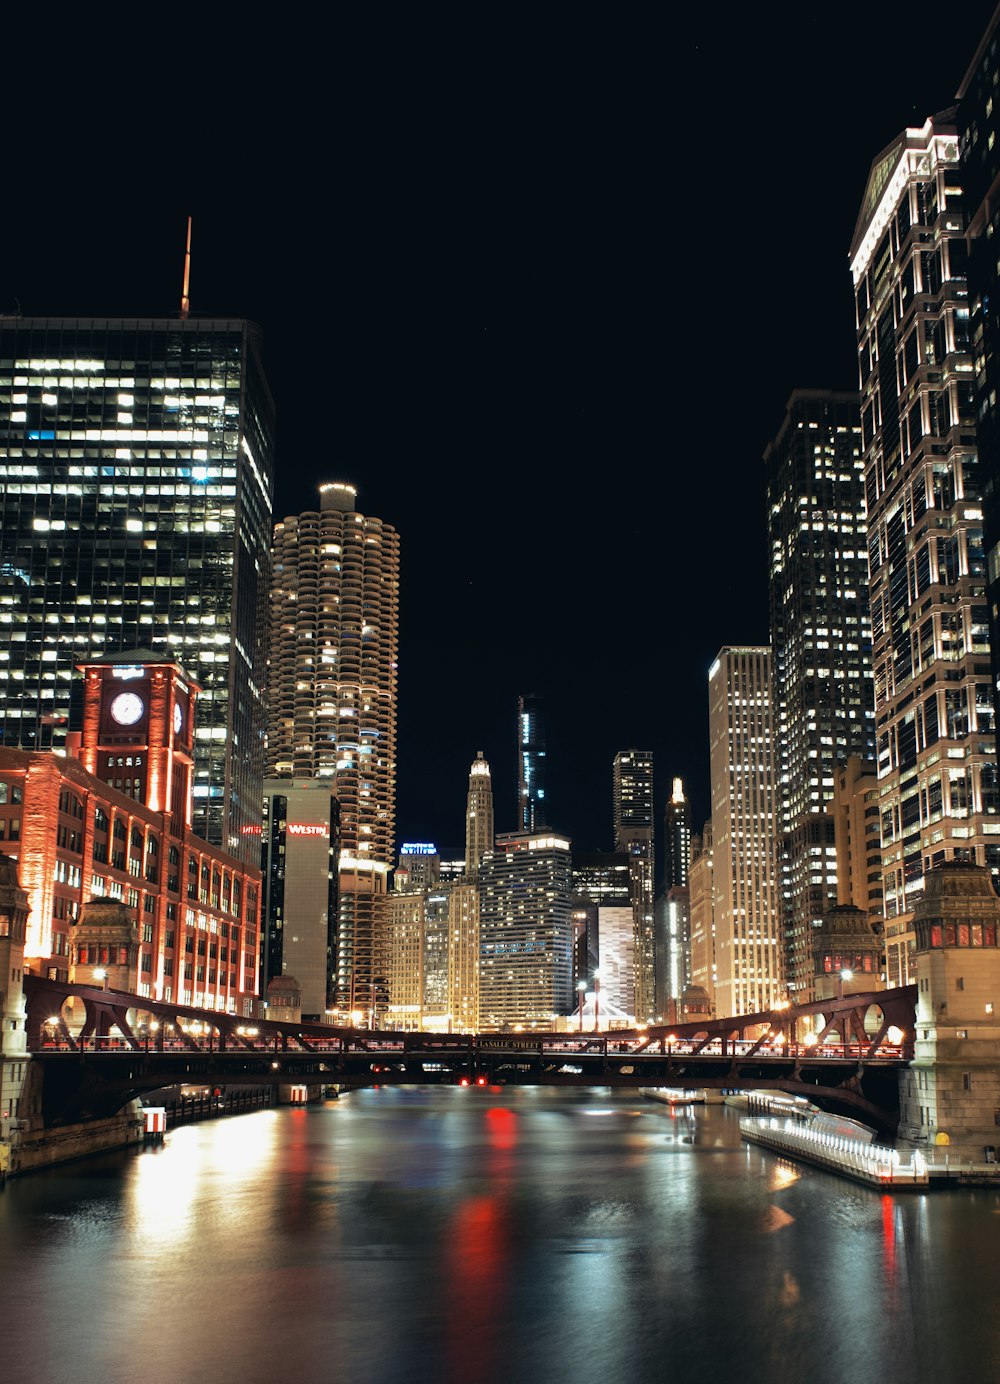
<point>455,1235</point>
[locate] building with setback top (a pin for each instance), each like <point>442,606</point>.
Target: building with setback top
<point>935,750</point>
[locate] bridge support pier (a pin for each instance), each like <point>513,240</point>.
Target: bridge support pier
<point>950,1095</point>
<point>299,1093</point>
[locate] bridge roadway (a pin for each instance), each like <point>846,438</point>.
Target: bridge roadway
<point>128,1046</point>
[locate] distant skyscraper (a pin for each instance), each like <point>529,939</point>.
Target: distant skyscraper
<point>676,837</point>
<point>478,815</point>
<point>820,644</point>
<point>745,822</point>
<point>531,804</point>
<point>632,795</point>
<point>526,931</point>
<point>704,971</point>
<point>136,473</point>
<point>332,678</point>
<point>936,753</point>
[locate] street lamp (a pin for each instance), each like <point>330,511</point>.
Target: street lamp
<point>581,985</point>
<point>597,1001</point>
<point>101,975</point>
<point>846,974</point>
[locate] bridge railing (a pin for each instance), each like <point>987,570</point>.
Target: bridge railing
<point>384,1046</point>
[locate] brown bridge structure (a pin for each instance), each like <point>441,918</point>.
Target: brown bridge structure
<point>128,1046</point>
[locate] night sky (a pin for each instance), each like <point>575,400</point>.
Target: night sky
<point>540,286</point>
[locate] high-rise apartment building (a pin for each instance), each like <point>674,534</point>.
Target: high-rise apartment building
<point>632,801</point>
<point>478,815</point>
<point>745,825</point>
<point>332,676</point>
<point>820,644</point>
<point>526,931</point>
<point>531,804</point>
<point>936,752</point>
<point>136,475</point>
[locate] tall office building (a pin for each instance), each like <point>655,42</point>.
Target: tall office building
<point>745,823</point>
<point>821,647</point>
<point>676,837</point>
<point>531,804</point>
<point>333,647</point>
<point>936,752</point>
<point>526,931</point>
<point>478,815</point>
<point>979,148</point>
<point>632,801</point>
<point>136,474</point>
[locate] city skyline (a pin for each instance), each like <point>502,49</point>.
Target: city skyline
<point>530,380</point>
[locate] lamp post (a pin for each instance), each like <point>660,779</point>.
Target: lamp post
<point>845,974</point>
<point>100,974</point>
<point>597,1001</point>
<point>581,986</point>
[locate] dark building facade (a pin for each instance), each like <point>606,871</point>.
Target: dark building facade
<point>979,150</point>
<point>136,475</point>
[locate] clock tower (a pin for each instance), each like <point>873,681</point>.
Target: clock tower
<point>138,730</point>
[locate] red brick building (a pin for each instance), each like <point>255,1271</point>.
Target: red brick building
<point>110,823</point>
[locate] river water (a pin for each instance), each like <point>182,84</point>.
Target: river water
<point>471,1237</point>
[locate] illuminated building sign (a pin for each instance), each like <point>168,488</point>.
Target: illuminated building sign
<point>132,670</point>
<point>305,829</point>
<point>418,848</point>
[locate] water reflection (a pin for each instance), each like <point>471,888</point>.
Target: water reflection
<point>487,1236</point>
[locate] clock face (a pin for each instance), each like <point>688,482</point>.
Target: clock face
<point>178,718</point>
<point>127,708</point>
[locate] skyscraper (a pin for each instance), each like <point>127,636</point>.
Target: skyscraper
<point>531,805</point>
<point>526,931</point>
<point>676,837</point>
<point>333,645</point>
<point>979,147</point>
<point>820,644</point>
<point>745,821</point>
<point>632,799</point>
<point>478,815</point>
<point>936,752</point>
<point>299,851</point>
<point>136,473</point>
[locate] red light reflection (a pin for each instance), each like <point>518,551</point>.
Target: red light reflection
<point>889,1234</point>
<point>477,1256</point>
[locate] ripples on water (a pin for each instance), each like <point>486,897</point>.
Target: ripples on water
<point>451,1236</point>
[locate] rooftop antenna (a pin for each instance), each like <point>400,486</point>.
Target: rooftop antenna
<point>185,299</point>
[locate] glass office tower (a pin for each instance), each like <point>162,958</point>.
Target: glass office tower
<point>136,476</point>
